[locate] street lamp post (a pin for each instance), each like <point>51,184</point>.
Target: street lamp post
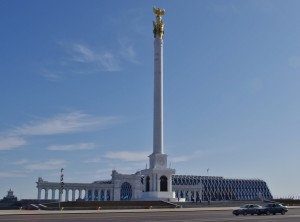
<point>61,186</point>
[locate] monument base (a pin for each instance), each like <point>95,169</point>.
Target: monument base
<point>166,196</point>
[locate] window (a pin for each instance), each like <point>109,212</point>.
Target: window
<point>126,191</point>
<point>163,183</point>
<point>147,184</point>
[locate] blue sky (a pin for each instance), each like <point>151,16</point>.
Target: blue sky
<point>76,80</point>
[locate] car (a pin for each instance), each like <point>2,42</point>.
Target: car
<point>273,208</point>
<point>30,207</point>
<point>247,209</point>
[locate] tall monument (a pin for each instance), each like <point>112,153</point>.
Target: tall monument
<point>158,178</point>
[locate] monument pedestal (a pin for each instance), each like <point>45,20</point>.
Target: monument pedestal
<point>166,196</point>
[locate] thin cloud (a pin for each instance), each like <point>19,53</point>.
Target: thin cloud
<point>64,123</point>
<point>51,76</point>
<point>199,154</point>
<point>81,59</point>
<point>127,156</point>
<point>127,52</point>
<point>106,60</point>
<point>72,147</point>
<point>20,162</point>
<point>49,165</point>
<point>121,168</point>
<point>9,143</point>
<point>93,160</point>
<point>178,159</point>
<point>11,175</point>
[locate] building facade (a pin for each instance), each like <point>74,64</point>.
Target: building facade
<point>158,182</point>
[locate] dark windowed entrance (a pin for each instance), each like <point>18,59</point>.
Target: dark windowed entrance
<point>163,183</point>
<point>126,191</point>
<point>147,184</point>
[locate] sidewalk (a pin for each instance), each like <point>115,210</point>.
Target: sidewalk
<point>28,212</point>
<point>37,212</point>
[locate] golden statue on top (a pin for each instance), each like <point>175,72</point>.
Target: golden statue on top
<point>159,12</point>
<point>158,26</point>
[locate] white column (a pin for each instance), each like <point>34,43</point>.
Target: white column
<point>200,195</point>
<point>39,193</point>
<point>80,194</point>
<point>157,183</point>
<point>46,194</point>
<point>170,184</point>
<point>87,194</point>
<point>158,96</point>
<point>99,195</point>
<point>67,195</point>
<point>152,178</point>
<point>53,194</point>
<point>105,195</point>
<point>195,195</point>
<point>93,193</point>
<point>73,194</point>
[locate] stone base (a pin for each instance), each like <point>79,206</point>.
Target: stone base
<point>177,200</point>
<point>158,196</point>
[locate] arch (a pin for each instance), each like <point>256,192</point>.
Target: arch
<point>126,191</point>
<point>55,194</point>
<point>147,184</point>
<point>50,194</point>
<point>163,183</point>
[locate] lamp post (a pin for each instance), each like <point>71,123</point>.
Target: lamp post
<point>61,186</point>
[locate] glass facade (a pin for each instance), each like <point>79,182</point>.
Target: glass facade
<point>219,188</point>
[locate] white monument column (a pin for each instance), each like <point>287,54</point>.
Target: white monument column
<point>158,96</point>
<point>160,189</point>
<point>158,159</point>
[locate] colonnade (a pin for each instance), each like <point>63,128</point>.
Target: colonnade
<point>84,193</point>
<point>59,195</point>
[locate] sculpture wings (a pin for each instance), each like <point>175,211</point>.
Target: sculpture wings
<point>159,12</point>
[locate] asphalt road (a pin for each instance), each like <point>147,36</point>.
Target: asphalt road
<point>209,216</point>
